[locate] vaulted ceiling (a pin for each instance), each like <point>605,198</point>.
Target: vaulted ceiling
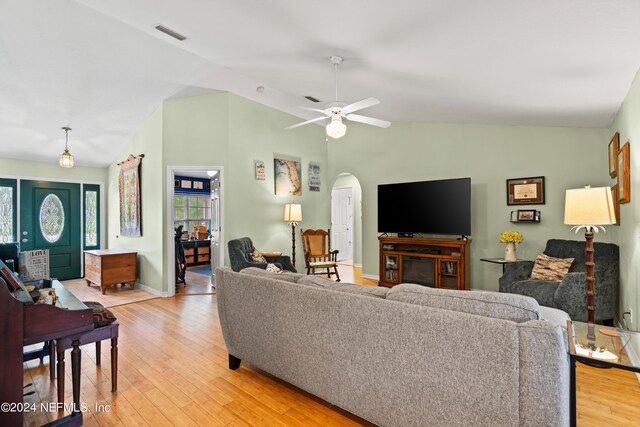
<point>101,67</point>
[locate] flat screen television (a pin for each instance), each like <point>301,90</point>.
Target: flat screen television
<point>430,207</point>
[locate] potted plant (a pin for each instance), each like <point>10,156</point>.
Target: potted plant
<point>510,238</point>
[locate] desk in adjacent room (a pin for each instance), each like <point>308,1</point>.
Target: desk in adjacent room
<point>106,267</point>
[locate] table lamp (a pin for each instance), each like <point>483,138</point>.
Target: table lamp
<point>293,215</point>
<point>589,208</point>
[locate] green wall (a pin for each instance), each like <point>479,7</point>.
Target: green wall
<point>147,141</point>
<point>26,169</point>
<point>349,180</point>
<point>628,124</point>
<point>568,158</point>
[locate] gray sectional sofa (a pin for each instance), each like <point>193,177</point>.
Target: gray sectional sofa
<point>406,356</point>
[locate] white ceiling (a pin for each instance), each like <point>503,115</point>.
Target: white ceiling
<point>101,68</point>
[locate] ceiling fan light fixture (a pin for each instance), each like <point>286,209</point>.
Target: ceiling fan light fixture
<point>66,159</point>
<point>336,129</point>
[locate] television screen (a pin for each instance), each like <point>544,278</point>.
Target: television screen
<point>430,207</point>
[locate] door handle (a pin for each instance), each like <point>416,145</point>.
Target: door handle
<point>25,240</point>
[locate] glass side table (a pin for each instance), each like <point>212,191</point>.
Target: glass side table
<point>600,346</point>
<point>501,261</point>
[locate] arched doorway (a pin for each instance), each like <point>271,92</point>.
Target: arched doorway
<point>346,219</point>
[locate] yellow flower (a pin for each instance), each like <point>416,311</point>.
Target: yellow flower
<point>511,236</point>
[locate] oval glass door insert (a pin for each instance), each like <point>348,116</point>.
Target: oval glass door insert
<point>51,218</point>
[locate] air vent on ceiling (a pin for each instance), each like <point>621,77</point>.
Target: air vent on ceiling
<point>312,99</point>
<point>170,32</point>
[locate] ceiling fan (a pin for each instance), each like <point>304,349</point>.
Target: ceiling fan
<point>337,110</point>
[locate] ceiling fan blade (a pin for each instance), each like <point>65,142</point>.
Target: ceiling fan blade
<point>318,110</point>
<point>317,119</point>
<point>368,120</point>
<point>359,105</point>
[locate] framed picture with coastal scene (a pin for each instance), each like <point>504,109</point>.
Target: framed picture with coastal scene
<point>614,148</point>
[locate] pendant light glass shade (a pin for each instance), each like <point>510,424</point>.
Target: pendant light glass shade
<point>336,129</point>
<point>66,159</point>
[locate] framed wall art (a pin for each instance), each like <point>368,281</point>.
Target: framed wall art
<point>259,170</point>
<point>287,177</point>
<point>526,215</point>
<point>314,176</point>
<point>616,202</point>
<point>624,175</point>
<point>614,148</point>
<point>525,191</point>
<point>129,188</point>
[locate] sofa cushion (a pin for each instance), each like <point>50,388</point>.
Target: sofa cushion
<point>542,291</point>
<point>322,282</point>
<point>101,316</point>
<point>547,267</point>
<point>256,256</point>
<point>495,305</point>
<point>287,277</point>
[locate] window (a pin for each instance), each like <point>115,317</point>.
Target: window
<point>7,211</point>
<point>192,211</point>
<point>91,216</point>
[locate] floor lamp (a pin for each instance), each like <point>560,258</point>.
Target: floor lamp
<point>293,215</point>
<point>589,208</point>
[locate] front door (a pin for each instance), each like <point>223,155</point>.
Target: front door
<point>50,219</point>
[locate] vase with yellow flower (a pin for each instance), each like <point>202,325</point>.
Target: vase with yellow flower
<point>510,238</point>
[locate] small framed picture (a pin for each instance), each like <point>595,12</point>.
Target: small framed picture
<point>614,148</point>
<point>207,185</point>
<point>185,183</point>
<point>616,202</point>
<point>526,215</point>
<point>624,175</point>
<point>259,170</point>
<point>525,191</point>
<point>198,185</point>
<point>176,183</point>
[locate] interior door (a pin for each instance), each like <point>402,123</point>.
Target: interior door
<point>342,222</point>
<point>50,219</point>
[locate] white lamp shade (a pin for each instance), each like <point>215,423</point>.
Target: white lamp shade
<point>66,159</point>
<point>336,129</point>
<point>589,206</point>
<point>293,212</point>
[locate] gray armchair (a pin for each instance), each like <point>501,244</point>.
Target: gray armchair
<point>570,295</point>
<point>240,256</point>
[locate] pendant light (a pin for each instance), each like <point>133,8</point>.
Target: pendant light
<point>66,159</point>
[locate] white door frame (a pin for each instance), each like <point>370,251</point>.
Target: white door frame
<point>170,231</point>
<point>352,225</point>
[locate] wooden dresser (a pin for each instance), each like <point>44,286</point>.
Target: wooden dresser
<point>106,267</point>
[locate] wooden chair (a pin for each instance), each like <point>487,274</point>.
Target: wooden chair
<point>316,245</point>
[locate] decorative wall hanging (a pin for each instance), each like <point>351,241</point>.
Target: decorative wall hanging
<point>615,195</point>
<point>614,148</point>
<point>314,176</point>
<point>260,171</point>
<point>287,173</point>
<point>129,180</point>
<point>525,191</point>
<point>624,175</point>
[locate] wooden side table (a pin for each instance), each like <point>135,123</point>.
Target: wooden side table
<point>106,267</point>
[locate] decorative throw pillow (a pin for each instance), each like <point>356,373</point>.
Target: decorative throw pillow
<point>549,268</point>
<point>272,268</point>
<point>256,256</point>
<point>101,316</point>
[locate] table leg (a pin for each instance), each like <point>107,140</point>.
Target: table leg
<point>75,373</point>
<point>98,352</point>
<point>114,364</point>
<point>60,367</point>
<point>52,360</point>
<point>572,391</point>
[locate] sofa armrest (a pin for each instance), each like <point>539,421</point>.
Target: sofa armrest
<point>283,260</point>
<point>515,272</point>
<point>571,295</point>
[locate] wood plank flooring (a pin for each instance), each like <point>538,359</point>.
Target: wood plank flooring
<point>173,371</point>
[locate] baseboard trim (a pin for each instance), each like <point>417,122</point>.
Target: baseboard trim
<point>153,291</point>
<point>371,276</point>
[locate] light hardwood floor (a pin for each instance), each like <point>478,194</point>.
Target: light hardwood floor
<point>173,371</point>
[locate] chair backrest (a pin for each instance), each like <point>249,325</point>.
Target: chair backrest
<point>604,254</point>
<point>240,252</point>
<point>316,244</point>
